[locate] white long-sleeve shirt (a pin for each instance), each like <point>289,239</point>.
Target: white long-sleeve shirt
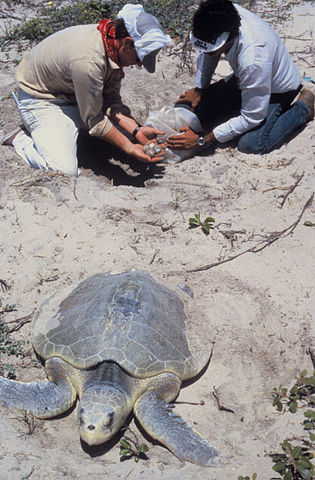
<point>262,66</point>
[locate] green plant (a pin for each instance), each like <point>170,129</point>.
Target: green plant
<point>51,18</point>
<point>254,477</point>
<point>7,344</point>
<point>7,371</point>
<point>130,448</point>
<point>301,391</point>
<point>309,423</point>
<point>205,225</point>
<point>174,16</point>
<point>295,461</point>
<point>6,308</point>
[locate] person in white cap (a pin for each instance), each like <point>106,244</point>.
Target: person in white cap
<point>254,104</point>
<point>71,81</point>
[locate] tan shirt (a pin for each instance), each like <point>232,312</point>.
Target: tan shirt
<point>72,65</point>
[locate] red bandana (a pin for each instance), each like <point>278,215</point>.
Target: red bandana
<point>107,29</point>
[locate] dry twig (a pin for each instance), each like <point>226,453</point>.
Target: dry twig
<point>153,258</point>
<point>291,189</point>
<point>20,322</point>
<point>273,237</point>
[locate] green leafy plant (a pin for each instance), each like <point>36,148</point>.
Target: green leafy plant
<point>206,225</point>
<point>6,308</point>
<point>295,461</point>
<point>131,449</point>
<point>7,344</point>
<point>174,16</point>
<point>309,422</point>
<point>301,391</point>
<point>254,477</point>
<point>50,19</point>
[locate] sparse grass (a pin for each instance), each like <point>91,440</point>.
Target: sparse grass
<point>7,344</point>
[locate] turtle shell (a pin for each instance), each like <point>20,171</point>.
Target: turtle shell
<point>128,318</point>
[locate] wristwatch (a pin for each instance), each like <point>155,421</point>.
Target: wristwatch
<point>201,140</point>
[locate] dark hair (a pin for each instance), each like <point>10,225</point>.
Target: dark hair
<point>214,17</point>
<point>120,28</point>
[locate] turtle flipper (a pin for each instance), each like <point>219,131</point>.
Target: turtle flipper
<point>162,423</point>
<point>42,399</point>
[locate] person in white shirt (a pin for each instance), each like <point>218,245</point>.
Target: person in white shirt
<point>255,102</point>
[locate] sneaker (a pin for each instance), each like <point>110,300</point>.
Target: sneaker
<point>307,97</point>
<point>8,139</point>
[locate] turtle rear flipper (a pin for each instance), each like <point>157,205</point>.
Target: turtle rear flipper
<point>162,423</point>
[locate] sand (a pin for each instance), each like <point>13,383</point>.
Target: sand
<point>251,277</point>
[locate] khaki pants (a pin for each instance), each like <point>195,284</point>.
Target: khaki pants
<point>52,130</point>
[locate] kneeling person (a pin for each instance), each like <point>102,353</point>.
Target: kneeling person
<point>71,81</point>
<point>261,89</point>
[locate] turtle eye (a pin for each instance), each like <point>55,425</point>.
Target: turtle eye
<point>109,419</point>
<point>80,416</point>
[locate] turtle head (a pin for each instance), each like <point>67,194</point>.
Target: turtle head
<point>102,411</point>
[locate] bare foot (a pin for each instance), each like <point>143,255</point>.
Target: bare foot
<point>8,139</point>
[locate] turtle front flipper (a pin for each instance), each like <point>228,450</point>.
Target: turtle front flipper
<point>42,399</point>
<point>162,423</point>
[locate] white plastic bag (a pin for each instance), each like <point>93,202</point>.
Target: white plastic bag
<point>170,120</point>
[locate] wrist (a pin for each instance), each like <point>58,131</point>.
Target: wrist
<point>136,130</point>
<point>210,138</point>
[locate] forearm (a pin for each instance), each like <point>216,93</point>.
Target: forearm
<point>115,137</point>
<point>127,123</point>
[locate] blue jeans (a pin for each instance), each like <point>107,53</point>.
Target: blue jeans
<point>275,130</point>
<point>222,100</point>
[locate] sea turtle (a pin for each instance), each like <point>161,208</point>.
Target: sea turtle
<point>118,343</point>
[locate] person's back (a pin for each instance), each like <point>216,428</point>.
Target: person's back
<point>258,44</point>
<point>46,71</point>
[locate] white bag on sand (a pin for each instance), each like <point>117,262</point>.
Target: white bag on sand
<point>170,120</point>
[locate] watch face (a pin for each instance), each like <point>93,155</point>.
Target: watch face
<point>201,141</point>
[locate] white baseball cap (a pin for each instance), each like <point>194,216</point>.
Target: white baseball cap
<point>208,47</point>
<point>146,32</point>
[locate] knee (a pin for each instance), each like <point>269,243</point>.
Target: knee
<point>69,165</point>
<point>248,143</point>
<point>71,171</point>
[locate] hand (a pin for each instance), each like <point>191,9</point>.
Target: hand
<point>185,140</point>
<point>192,97</point>
<point>137,152</point>
<point>145,134</point>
